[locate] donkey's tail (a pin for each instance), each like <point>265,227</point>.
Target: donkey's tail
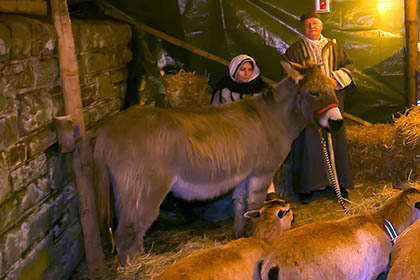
<point>102,190</point>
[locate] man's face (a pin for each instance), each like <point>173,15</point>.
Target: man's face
<point>312,28</point>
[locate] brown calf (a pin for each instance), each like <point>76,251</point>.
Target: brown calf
<point>238,259</point>
<point>405,256</point>
<point>355,247</point>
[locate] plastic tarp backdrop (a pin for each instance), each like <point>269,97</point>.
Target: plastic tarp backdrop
<point>372,32</point>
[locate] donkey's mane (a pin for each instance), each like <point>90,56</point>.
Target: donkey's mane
<point>314,79</point>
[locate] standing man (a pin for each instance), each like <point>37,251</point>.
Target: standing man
<point>304,169</point>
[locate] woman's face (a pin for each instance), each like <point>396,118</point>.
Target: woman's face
<point>244,73</point>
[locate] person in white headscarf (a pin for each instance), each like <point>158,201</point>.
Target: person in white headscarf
<point>303,172</point>
<point>244,80</point>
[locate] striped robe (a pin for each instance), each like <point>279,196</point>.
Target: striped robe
<point>304,170</point>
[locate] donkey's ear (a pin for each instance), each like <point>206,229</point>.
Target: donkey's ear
<point>252,214</point>
<point>292,69</point>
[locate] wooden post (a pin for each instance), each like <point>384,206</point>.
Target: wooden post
<point>69,75</point>
<point>412,50</point>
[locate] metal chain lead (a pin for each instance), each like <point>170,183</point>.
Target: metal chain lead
<point>332,173</point>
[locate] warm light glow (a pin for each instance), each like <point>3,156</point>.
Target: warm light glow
<point>383,5</point>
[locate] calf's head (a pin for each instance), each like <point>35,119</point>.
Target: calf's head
<point>271,220</point>
<point>316,94</point>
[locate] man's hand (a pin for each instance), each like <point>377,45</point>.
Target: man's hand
<point>335,83</point>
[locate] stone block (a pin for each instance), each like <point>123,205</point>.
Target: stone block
<point>4,179</point>
<point>88,93</point>
<point>35,263</point>
<point>12,210</point>
<point>9,132</point>
<point>29,172</point>
<point>46,72</point>
<point>58,101</point>
<point>115,105</point>
<point>119,75</point>
<point>35,192</point>
<point>66,254</point>
<point>99,34</point>
<point>35,110</point>
<point>98,112</point>
<point>105,86</point>
<point>7,105</point>
<point>60,170</point>
<point>21,37</point>
<point>18,75</point>
<point>43,37</point>
<point>69,192</point>
<point>99,62</point>
<point>88,79</point>
<point>121,89</point>
<point>5,43</point>
<point>40,141</point>
<point>16,155</point>
<point>21,238</point>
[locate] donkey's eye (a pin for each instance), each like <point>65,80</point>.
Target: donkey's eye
<point>314,94</point>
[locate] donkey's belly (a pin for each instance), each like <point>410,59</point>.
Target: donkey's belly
<point>204,190</point>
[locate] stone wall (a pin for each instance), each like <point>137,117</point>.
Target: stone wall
<point>40,234</point>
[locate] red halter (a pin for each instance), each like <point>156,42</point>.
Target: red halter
<point>326,108</point>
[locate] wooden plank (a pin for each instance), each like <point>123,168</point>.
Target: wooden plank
<point>356,119</point>
<point>82,157</point>
<point>38,8</point>
<point>412,51</point>
<point>117,14</point>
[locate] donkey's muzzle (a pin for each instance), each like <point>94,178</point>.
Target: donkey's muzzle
<point>335,125</point>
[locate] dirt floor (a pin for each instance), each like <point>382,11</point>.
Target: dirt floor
<point>166,244</point>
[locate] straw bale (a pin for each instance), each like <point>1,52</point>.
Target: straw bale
<point>187,89</point>
<point>371,151</point>
<point>387,151</point>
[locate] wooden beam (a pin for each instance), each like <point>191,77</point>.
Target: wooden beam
<point>38,8</point>
<point>117,14</point>
<point>412,50</point>
<point>82,161</point>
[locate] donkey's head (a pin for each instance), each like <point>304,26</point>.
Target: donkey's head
<point>316,95</point>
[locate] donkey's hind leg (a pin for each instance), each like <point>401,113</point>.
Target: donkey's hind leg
<point>138,211</point>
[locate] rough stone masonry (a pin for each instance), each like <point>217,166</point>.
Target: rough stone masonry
<point>40,234</point>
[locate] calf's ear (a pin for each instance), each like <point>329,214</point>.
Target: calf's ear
<point>252,214</point>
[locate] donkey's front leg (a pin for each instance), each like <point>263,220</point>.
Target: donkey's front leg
<point>239,198</point>
<point>248,195</point>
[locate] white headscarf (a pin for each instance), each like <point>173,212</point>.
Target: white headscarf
<point>237,62</point>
